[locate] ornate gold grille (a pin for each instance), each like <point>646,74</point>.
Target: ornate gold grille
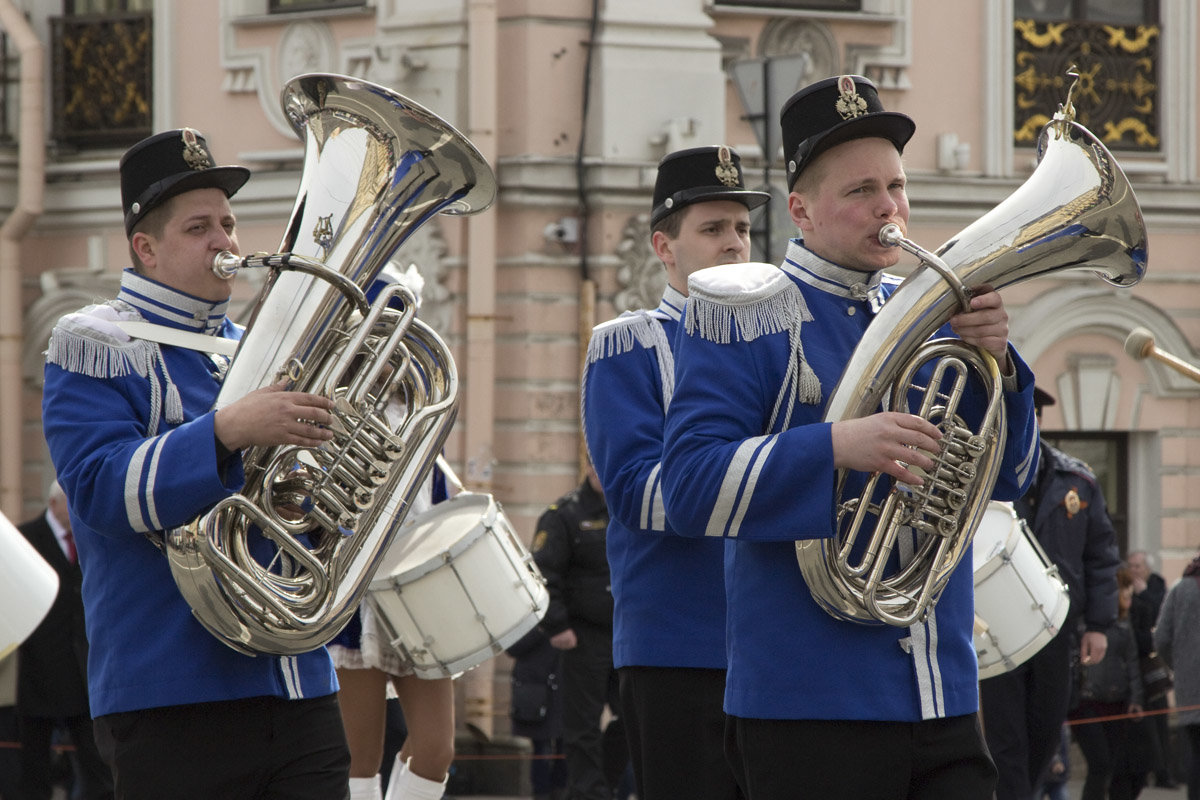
<point>102,69</point>
<point>1118,93</point>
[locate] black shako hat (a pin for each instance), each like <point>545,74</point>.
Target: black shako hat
<point>698,175</point>
<point>170,163</point>
<point>833,111</point>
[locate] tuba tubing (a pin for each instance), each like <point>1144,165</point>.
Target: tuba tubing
<point>1076,211</point>
<point>282,565</point>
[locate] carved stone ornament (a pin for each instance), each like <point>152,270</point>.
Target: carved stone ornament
<point>64,291</point>
<point>426,248</point>
<point>304,47</point>
<point>814,39</point>
<point>641,275</point>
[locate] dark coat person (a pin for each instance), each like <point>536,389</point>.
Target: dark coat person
<point>536,710</point>
<point>52,667</point>
<point>569,549</point>
<point>1024,709</point>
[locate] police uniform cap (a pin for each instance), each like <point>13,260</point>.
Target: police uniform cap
<point>698,175</point>
<point>833,111</point>
<point>1042,398</point>
<point>167,164</point>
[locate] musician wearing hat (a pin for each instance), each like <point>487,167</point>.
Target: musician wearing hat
<point>137,446</point>
<point>669,604</point>
<point>821,706</point>
<point>1024,708</point>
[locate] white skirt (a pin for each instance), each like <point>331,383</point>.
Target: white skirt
<point>373,652</point>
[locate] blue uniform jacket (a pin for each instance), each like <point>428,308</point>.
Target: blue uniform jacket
<point>668,591</point>
<point>748,458</point>
<point>129,424</point>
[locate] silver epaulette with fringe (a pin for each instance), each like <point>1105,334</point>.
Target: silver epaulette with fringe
<point>88,342</point>
<point>619,336</point>
<point>741,302</point>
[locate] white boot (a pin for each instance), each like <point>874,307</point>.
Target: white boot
<point>405,785</point>
<point>365,789</point>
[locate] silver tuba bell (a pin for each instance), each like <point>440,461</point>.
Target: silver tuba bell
<point>1077,210</point>
<point>282,566</point>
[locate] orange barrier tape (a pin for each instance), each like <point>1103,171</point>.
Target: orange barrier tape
<point>1150,713</point>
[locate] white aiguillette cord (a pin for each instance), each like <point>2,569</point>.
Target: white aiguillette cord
<point>177,338</point>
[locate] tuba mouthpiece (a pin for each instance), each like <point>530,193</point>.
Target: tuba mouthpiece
<point>226,265</point>
<point>1139,343</point>
<point>890,235</point>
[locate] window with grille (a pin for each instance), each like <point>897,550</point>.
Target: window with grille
<point>1114,46</point>
<point>102,72</point>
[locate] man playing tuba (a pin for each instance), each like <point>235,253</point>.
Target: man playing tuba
<point>818,706</point>
<point>138,449</point>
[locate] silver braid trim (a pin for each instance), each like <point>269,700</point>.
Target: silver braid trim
<point>618,336</point>
<point>777,307</point>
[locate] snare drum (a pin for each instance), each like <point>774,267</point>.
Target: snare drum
<point>457,587</point>
<point>1020,600</point>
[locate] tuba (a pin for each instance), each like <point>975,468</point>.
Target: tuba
<point>281,566</point>
<point>1077,210</point>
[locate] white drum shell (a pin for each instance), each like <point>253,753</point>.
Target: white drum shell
<point>1020,600</point>
<point>457,588</point>
<point>28,586</point>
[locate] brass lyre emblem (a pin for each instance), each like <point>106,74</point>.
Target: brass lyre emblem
<point>323,234</point>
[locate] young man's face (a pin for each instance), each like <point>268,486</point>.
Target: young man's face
<point>200,224</point>
<point>710,233</point>
<point>843,199</point>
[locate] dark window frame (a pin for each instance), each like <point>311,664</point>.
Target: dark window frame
<point>810,5</point>
<point>1119,93</point>
<point>89,108</point>
<point>1081,11</point>
<point>297,6</point>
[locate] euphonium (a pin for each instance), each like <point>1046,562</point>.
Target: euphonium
<point>281,567</point>
<point>1077,210</point>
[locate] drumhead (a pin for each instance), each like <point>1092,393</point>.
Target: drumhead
<point>433,538</point>
<point>994,534</point>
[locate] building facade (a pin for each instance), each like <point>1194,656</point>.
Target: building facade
<point>573,103</point>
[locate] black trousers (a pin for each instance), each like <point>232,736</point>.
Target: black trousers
<point>589,683</point>
<point>676,732</point>
<point>1023,713</point>
<point>1114,764</point>
<point>1191,734</point>
<point>860,760</point>
<point>37,779</point>
<point>262,748</point>
<point>10,757</point>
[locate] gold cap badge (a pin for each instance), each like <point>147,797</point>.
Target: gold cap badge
<point>850,103</point>
<point>194,153</point>
<point>727,172</point>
